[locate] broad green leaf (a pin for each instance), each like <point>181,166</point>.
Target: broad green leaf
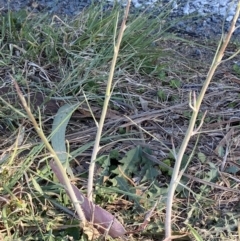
<point>114,154</point>
<point>59,126</point>
<point>122,183</point>
<point>232,169</point>
<point>59,129</point>
<point>150,174</point>
<point>167,162</point>
<point>202,157</point>
<point>155,191</point>
<point>129,162</point>
<point>104,162</point>
<point>221,151</point>
<point>213,173</point>
<point>135,164</point>
<point>148,171</point>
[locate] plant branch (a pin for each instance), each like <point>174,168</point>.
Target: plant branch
<point>195,107</point>
<point>39,131</point>
<point>106,101</point>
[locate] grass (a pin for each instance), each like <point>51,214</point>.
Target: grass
<point>59,61</point>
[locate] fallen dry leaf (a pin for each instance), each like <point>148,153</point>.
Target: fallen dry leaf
<point>104,221</point>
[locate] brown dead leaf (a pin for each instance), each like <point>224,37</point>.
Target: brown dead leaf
<point>104,221</point>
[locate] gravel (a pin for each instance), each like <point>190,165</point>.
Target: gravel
<point>207,21</point>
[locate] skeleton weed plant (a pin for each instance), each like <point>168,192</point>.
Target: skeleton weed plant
<point>195,103</point>
<point>85,207</point>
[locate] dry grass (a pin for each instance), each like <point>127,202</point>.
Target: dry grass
<point>149,108</point>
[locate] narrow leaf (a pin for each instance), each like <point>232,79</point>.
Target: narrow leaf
<point>37,186</point>
<point>195,233</point>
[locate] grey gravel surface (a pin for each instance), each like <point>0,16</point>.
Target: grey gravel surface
<point>207,21</point>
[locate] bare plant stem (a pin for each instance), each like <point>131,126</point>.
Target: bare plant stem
<point>39,131</point>
<point>190,131</point>
<point>106,101</point>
